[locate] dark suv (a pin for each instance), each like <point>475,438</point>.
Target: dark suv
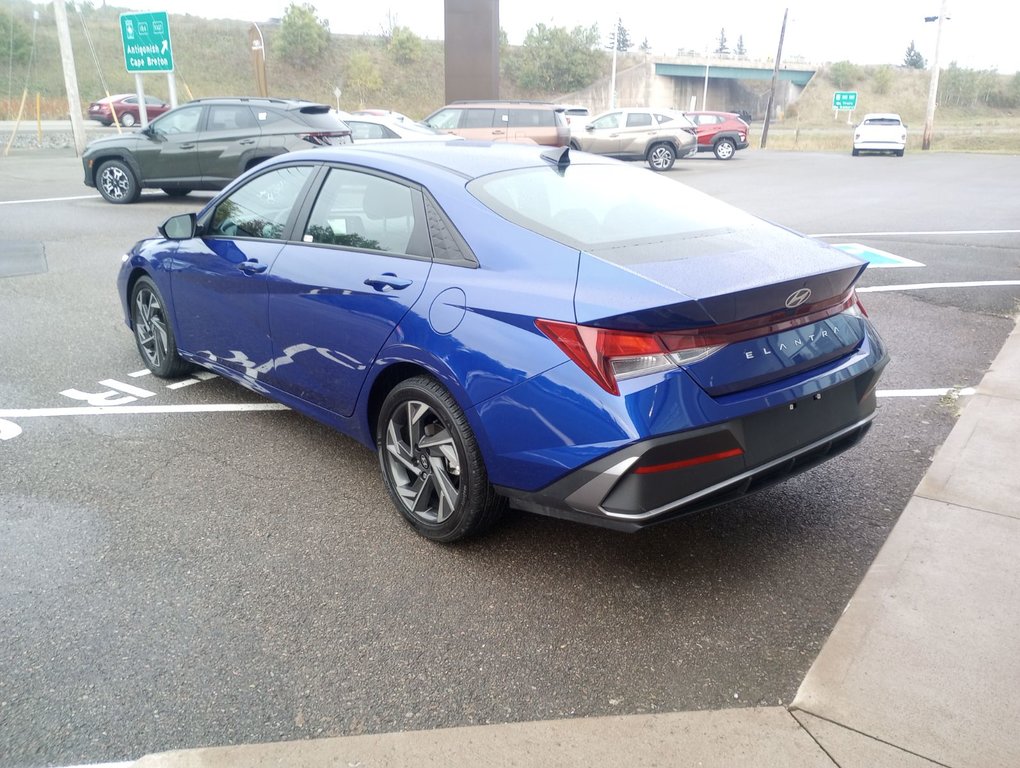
<point>206,143</point>
<point>530,122</point>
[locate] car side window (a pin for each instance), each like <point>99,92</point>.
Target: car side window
<point>638,119</point>
<point>181,120</point>
<point>608,121</point>
<point>361,131</point>
<point>360,210</point>
<point>446,120</point>
<point>479,118</point>
<point>230,117</point>
<point>262,207</point>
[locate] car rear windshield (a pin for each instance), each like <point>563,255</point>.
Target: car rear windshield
<point>593,206</point>
<point>882,121</point>
<point>319,117</point>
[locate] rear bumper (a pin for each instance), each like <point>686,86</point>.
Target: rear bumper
<point>670,476</point>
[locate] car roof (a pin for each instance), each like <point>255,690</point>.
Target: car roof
<point>465,159</point>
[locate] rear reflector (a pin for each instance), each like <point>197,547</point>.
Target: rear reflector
<point>697,460</point>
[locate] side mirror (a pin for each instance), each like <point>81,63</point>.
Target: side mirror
<point>179,227</point>
<point>589,127</point>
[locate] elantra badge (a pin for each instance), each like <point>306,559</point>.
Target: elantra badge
<point>797,298</point>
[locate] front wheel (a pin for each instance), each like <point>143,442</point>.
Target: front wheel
<point>154,333</point>
<point>431,463</point>
<point>724,149</point>
<point>661,157</point>
<point>117,183</point>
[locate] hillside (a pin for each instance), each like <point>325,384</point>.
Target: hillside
<point>977,110</point>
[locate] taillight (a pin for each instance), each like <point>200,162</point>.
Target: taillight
<point>609,356</point>
<point>326,138</point>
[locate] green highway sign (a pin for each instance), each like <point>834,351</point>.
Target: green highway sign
<point>844,100</point>
<point>146,38</point>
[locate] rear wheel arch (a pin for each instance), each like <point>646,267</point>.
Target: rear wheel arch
<point>384,383</point>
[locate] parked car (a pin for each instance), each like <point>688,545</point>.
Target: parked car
<point>520,326</point>
<point>371,128</point>
<point>576,114</point>
<point>720,132</point>
<point>654,135</point>
<point>206,143</point>
<point>388,113</point>
<point>528,122</point>
<point>126,106</point>
<point>880,132</point>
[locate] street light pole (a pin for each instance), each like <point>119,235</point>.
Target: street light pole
<point>933,86</point>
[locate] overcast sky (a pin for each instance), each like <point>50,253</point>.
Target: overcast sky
<point>980,34</point>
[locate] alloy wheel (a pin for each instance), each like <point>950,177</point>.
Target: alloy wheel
<point>116,183</point>
<point>423,462</point>
<point>150,327</point>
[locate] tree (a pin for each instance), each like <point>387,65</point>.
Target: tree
<point>913,58</point>
<point>645,46</point>
<point>623,42</point>
<point>16,40</point>
<point>844,74</point>
<point>555,60</point>
<point>405,45</point>
<point>722,47</point>
<point>882,80</point>
<point>363,76</point>
<point>303,37</point>
<point>741,50</point>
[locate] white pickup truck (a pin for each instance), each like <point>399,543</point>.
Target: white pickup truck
<point>880,132</point>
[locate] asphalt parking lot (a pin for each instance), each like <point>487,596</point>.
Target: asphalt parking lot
<point>193,569</point>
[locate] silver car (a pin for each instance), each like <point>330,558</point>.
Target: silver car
<point>658,136</point>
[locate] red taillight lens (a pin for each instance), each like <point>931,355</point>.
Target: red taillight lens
<point>610,356</point>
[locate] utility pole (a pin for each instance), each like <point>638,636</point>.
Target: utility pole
<point>772,90</point>
<point>933,86</point>
<point>612,78</point>
<point>70,77</point>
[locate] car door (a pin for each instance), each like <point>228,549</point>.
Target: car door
<point>170,149</point>
<point>230,137</point>
<point>636,132</point>
<point>602,135</point>
<point>336,297</point>
<point>219,280</point>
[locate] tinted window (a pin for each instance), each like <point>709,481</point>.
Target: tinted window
<point>320,118</point>
<point>478,118</point>
<point>638,119</point>
<point>882,121</point>
<point>359,210</point>
<point>229,117</point>
<point>261,207</point>
<point>532,118</point>
<point>360,131</point>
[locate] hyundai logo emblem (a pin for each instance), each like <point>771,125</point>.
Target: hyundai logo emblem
<point>797,298</point>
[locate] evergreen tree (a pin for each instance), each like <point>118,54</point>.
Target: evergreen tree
<point>722,47</point>
<point>913,58</point>
<point>623,43</point>
<point>741,50</point>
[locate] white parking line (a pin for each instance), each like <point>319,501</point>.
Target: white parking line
<point>47,200</point>
<point>956,392</point>
<point>925,286</point>
<point>108,410</point>
<point>939,233</point>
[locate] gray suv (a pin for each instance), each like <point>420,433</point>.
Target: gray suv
<point>206,143</point>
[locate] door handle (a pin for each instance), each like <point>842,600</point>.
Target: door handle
<point>388,281</point>
<point>252,267</point>
<point>186,146</point>
<point>247,141</point>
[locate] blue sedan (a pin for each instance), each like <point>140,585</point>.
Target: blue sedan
<point>519,327</point>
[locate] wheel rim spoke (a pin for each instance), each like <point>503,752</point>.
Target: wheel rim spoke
<point>423,462</point>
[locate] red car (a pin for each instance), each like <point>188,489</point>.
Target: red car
<point>126,105</point>
<point>720,132</point>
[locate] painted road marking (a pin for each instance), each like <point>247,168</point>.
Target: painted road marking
<point>925,286</point>
<point>939,233</point>
<point>107,410</point>
<point>954,391</point>
<point>9,430</point>
<point>138,374</point>
<point>48,199</point>
<point>877,259</point>
<point>127,388</point>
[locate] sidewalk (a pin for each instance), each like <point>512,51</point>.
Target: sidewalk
<point>922,669</point>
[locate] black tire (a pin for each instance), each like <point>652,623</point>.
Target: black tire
<point>661,157</point>
<point>176,192</point>
<point>724,149</point>
<point>154,332</point>
<point>127,120</point>
<point>431,464</point>
<point>899,153</point>
<point>855,152</point>
<point>116,182</point>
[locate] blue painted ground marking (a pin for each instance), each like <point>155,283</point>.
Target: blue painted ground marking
<point>876,258</point>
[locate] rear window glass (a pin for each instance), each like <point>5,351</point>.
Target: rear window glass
<point>882,121</point>
<point>320,120</point>
<point>596,205</point>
